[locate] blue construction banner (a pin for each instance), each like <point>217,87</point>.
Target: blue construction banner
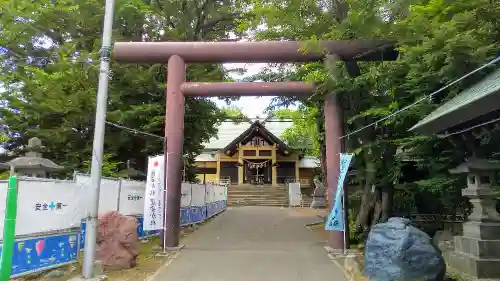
<point>44,252</point>
<point>335,220</point>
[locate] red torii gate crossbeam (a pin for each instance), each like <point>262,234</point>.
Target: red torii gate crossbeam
<point>177,54</point>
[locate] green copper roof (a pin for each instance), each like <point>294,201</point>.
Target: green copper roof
<point>480,99</point>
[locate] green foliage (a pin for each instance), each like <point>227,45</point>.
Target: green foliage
<point>233,113</point>
<point>303,134</point>
<point>438,40</point>
<point>51,68</point>
<point>110,168</point>
<point>4,175</point>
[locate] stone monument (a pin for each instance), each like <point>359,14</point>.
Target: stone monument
<point>318,195</point>
<point>477,251</point>
<point>117,240</point>
<point>32,164</point>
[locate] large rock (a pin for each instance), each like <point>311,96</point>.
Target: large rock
<point>396,250</point>
<point>117,240</point>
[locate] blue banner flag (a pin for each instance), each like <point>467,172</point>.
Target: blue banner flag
<point>335,220</point>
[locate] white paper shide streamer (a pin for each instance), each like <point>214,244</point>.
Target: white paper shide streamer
<point>153,203</point>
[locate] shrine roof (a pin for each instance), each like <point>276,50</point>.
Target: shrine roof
<point>229,131</point>
<point>472,103</point>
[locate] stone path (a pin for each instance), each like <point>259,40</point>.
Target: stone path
<point>253,244</point>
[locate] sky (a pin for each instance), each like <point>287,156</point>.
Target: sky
<point>251,106</point>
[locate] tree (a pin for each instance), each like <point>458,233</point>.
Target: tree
<point>303,134</point>
<point>439,41</point>
<point>51,66</point>
<point>234,113</point>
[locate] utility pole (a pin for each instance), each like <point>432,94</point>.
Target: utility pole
<point>98,144</point>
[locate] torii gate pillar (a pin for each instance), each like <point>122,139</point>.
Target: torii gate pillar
<point>174,134</point>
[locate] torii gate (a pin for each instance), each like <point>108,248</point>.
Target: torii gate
<point>177,54</point>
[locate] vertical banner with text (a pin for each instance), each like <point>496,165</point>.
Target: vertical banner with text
<point>153,203</point>
<point>335,219</point>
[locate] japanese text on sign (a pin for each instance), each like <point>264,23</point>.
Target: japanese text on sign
<point>153,207</point>
<point>49,206</point>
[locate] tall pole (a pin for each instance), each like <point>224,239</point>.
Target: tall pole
<point>98,144</point>
<point>9,230</point>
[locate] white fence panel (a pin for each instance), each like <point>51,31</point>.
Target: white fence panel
<point>47,205</point>
<point>108,196</point>
<point>198,195</point>
<point>208,186</point>
<point>132,197</point>
<point>294,194</point>
<point>186,194</point>
<point>3,197</point>
<point>220,193</point>
<point>210,193</point>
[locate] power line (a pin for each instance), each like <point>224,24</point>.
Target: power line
<point>422,99</point>
<point>468,129</point>
<point>135,131</point>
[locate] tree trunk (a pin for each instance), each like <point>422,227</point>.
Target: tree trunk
<point>387,197</point>
<point>377,209</point>
<point>320,126</point>
<point>363,220</point>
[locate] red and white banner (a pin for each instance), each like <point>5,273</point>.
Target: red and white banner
<point>153,203</point>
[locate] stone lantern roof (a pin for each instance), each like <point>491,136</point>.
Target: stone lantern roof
<point>130,172</point>
<point>32,162</point>
<point>475,165</point>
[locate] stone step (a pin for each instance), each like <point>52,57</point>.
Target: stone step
<point>257,189</point>
<point>259,204</point>
<point>262,203</point>
<point>247,195</point>
<point>257,200</point>
<point>260,197</point>
<point>257,194</point>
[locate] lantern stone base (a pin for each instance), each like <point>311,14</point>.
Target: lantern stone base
<point>478,256</point>
<point>477,251</point>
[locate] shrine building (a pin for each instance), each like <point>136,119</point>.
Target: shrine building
<point>252,152</point>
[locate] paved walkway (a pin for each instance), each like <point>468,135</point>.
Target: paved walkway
<point>253,244</point>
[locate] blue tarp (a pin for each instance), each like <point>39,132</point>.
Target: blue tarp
<point>44,252</point>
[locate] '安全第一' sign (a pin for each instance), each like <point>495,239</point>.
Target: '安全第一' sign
<point>132,197</point>
<point>153,199</point>
<point>47,205</point>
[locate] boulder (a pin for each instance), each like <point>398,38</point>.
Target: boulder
<point>396,250</point>
<point>117,240</point>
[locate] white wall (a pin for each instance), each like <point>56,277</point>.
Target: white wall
<point>47,205</point>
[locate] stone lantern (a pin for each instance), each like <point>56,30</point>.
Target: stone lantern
<point>131,173</point>
<point>477,251</point>
<point>318,195</point>
<point>32,164</point>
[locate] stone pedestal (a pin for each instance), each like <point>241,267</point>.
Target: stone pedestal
<point>477,251</point>
<point>318,195</point>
